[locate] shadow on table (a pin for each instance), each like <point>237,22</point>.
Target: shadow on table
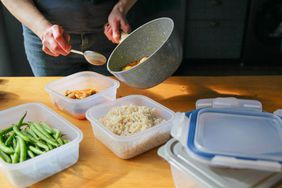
<point>7,96</point>
<point>187,92</point>
<point>3,81</point>
<point>193,92</point>
<point>82,175</point>
<point>205,92</point>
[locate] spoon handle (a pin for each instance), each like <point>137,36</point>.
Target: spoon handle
<point>77,52</point>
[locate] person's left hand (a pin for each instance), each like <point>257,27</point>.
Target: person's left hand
<point>116,23</point>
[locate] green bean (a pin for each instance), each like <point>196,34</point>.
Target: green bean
<point>31,138</point>
<point>4,148</point>
<point>5,157</point>
<point>32,133</point>
<point>12,157</point>
<point>23,149</point>
<point>20,134</point>
<point>43,137</point>
<point>50,146</point>
<point>5,131</point>
<point>9,129</point>
<point>60,141</point>
<point>42,145</point>
<point>10,139</point>
<point>65,141</point>
<point>42,130</point>
<point>57,134</point>
<point>17,148</point>
<point>37,142</point>
<point>35,150</point>
<point>2,157</point>
<point>46,127</point>
<point>14,142</point>
<point>22,119</point>
<point>30,154</point>
<point>15,157</point>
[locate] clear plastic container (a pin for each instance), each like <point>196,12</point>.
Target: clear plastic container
<point>33,170</point>
<point>127,147</point>
<point>106,91</point>
<point>234,134</point>
<point>189,173</point>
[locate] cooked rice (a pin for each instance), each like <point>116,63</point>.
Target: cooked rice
<point>129,119</point>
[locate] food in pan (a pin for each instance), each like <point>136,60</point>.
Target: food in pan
<point>134,63</point>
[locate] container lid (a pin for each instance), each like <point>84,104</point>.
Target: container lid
<point>239,136</point>
<point>212,177</point>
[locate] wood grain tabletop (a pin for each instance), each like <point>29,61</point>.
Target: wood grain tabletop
<point>98,166</point>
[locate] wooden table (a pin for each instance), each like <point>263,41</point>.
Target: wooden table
<point>98,166</point>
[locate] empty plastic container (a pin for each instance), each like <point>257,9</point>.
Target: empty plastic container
<point>33,170</point>
<point>190,173</point>
<point>127,147</point>
<point>234,134</point>
<point>106,91</point>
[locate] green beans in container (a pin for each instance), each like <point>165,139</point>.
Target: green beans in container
<point>22,140</point>
<point>25,140</point>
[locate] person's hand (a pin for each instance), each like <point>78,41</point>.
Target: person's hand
<point>116,23</point>
<point>55,41</point>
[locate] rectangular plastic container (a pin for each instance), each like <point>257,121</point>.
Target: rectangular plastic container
<point>33,170</point>
<point>127,147</point>
<point>189,173</point>
<point>106,91</point>
<point>225,134</point>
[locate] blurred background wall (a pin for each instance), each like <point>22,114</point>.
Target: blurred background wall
<point>13,59</point>
<point>5,61</point>
<point>219,37</point>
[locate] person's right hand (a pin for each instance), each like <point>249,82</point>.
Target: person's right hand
<point>117,22</point>
<point>55,41</point>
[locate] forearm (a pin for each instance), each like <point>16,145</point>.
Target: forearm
<point>26,12</point>
<point>125,5</point>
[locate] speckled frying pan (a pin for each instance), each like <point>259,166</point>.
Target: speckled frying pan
<point>158,41</point>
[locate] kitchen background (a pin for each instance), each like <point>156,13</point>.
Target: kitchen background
<point>219,37</point>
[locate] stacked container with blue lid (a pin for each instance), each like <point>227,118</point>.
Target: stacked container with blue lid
<point>229,133</point>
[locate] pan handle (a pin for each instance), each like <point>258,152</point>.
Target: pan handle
<point>123,36</point>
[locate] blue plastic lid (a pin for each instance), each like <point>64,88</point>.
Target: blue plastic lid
<point>237,133</point>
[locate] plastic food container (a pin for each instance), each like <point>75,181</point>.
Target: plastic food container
<point>228,132</point>
<point>106,91</point>
<point>189,173</point>
<point>33,170</point>
<point>127,147</point>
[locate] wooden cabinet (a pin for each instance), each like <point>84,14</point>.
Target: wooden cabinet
<point>262,44</point>
<point>216,9</point>
<point>214,29</point>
